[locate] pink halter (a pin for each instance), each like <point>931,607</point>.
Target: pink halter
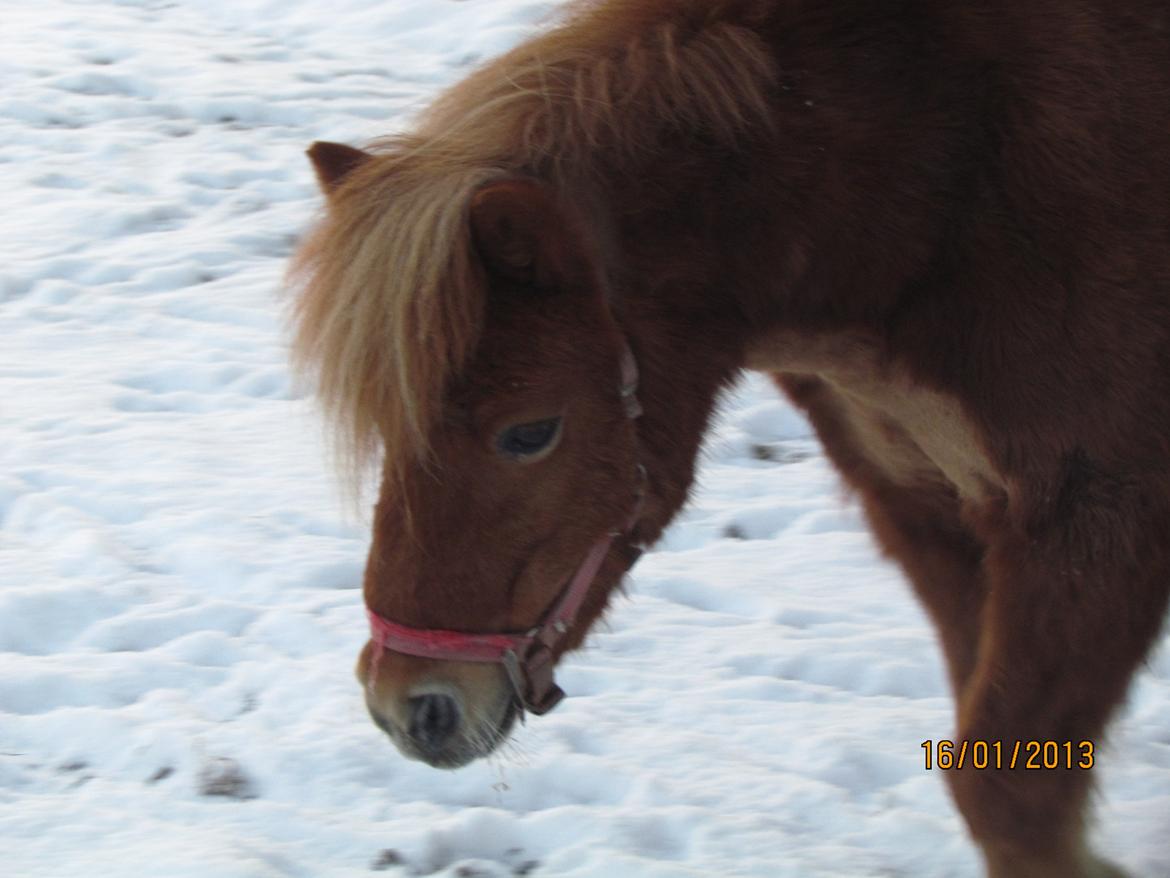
<point>528,658</point>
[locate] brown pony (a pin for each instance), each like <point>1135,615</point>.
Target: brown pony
<point>944,225</point>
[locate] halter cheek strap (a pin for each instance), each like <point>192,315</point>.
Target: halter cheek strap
<point>527,658</point>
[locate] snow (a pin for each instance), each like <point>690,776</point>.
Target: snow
<point>179,585</point>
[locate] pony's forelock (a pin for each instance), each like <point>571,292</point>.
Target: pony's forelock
<point>390,306</point>
<point>391,300</point>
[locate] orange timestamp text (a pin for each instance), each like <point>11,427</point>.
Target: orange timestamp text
<point>1028,755</point>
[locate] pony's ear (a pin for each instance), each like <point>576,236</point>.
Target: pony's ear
<point>333,162</point>
<point>520,232</point>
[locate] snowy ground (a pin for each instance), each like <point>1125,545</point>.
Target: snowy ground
<point>179,604</point>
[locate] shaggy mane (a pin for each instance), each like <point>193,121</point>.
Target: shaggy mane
<point>391,295</point>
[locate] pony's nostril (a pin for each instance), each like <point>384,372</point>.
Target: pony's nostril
<point>433,719</point>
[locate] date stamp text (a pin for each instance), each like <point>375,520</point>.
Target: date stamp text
<point>946,755</point>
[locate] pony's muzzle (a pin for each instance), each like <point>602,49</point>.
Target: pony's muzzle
<point>428,723</point>
<point>445,714</point>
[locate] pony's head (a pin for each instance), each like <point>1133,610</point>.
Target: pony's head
<point>460,323</point>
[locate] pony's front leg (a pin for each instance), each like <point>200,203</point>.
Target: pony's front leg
<point>1076,596</point>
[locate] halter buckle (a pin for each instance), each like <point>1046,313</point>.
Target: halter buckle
<point>532,680</point>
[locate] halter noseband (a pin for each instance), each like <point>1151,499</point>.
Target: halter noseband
<point>527,658</point>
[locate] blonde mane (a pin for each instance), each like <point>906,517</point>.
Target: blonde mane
<point>391,297</point>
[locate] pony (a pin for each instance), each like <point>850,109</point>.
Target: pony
<point>942,225</point>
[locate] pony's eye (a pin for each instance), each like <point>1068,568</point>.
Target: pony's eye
<point>527,440</point>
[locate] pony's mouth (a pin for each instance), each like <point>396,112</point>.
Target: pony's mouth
<point>449,736</point>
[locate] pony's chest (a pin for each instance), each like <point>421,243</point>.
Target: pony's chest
<point>906,433</point>
<point>917,436</point>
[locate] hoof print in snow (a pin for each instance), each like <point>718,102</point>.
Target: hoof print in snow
<point>763,452</point>
<point>520,867</point>
<point>778,453</point>
<point>77,769</point>
<point>387,859</point>
<point>225,777</point>
<point>734,532</point>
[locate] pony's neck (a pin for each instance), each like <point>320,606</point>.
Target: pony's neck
<point>609,89</point>
<point>747,165</point>
<point>825,206</point>
<point>833,207</point>
<point>790,160</point>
